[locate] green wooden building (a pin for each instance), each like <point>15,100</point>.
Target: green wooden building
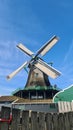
<point>64,95</point>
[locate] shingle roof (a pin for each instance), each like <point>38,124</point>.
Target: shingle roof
<point>8,98</point>
<point>22,100</point>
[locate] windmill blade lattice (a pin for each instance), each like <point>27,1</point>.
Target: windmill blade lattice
<point>17,71</point>
<point>47,69</point>
<point>24,49</point>
<point>44,49</point>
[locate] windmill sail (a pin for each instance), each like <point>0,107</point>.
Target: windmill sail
<point>48,70</point>
<point>44,49</point>
<point>16,71</point>
<point>24,49</point>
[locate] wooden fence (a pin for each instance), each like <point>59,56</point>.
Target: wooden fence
<point>29,120</point>
<point>65,106</point>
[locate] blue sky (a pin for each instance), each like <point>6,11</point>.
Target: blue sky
<point>33,22</point>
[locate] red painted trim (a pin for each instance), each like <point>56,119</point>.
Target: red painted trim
<point>5,120</point>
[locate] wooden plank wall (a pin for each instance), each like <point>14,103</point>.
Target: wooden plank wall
<point>26,120</point>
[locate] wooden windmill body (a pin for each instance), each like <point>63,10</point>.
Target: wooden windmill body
<point>37,78</point>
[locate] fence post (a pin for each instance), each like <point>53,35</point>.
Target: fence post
<point>55,121</point>
<point>70,116</point>
<point>25,120</point>
<point>15,119</point>
<point>61,125</point>
<point>34,121</point>
<point>66,121</point>
<point>5,114</point>
<point>49,121</point>
<point>42,124</point>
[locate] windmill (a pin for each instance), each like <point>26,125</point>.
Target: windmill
<point>39,69</point>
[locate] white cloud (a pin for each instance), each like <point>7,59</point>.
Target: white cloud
<point>7,50</point>
<point>4,90</point>
<point>69,53</point>
<point>67,67</point>
<point>10,58</point>
<point>7,89</point>
<point>66,79</point>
